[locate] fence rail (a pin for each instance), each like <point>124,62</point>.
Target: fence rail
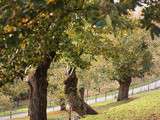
<point>132,91</point>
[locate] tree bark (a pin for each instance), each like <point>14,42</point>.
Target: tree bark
<point>81,92</point>
<point>38,84</point>
<point>75,101</point>
<point>124,89</point>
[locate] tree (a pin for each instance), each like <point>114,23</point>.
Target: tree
<point>33,32</point>
<point>76,101</point>
<point>84,47</point>
<point>128,56</point>
<point>117,22</point>
<point>35,29</point>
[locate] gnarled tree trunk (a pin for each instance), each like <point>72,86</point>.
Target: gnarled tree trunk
<point>124,89</point>
<point>38,84</point>
<point>75,101</point>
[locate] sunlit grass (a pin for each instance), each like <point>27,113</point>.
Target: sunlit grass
<point>145,106</point>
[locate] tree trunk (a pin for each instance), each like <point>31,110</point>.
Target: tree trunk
<point>75,101</point>
<point>38,83</point>
<point>99,90</point>
<point>123,89</point>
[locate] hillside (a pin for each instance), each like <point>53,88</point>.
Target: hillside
<point>145,106</point>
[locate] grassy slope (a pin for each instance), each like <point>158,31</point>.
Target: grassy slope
<point>145,106</point>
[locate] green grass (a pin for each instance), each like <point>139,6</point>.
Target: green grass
<point>145,106</point>
<point>19,110</point>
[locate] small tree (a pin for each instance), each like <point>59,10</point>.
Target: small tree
<point>127,57</point>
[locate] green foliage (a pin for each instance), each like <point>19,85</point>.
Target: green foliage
<point>95,76</point>
<point>16,91</point>
<point>125,5</point>
<point>56,86</point>
<point>151,18</point>
<point>34,29</point>
<point>128,56</point>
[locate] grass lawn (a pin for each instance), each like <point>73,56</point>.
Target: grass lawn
<point>19,110</point>
<point>145,106</point>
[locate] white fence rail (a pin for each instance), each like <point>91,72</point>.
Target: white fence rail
<point>132,91</point>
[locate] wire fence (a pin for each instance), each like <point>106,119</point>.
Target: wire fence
<point>132,91</point>
<point>15,113</point>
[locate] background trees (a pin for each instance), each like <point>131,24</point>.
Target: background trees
<point>128,56</point>
<point>5,102</point>
<point>56,79</point>
<point>17,91</point>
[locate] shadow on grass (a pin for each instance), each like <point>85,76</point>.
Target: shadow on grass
<point>113,104</point>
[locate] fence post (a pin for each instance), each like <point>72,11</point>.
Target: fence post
<point>155,85</point>
<point>148,87</point>
<point>115,96</point>
<point>105,96</point>
<point>10,115</point>
<point>50,102</point>
<point>141,89</point>
<point>96,98</point>
<point>70,113</point>
<point>132,91</point>
<point>53,108</point>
